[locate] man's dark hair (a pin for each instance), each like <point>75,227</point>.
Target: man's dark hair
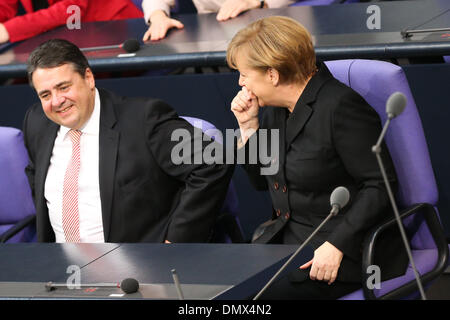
<point>54,53</point>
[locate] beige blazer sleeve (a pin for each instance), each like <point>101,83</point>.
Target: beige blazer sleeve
<point>208,6</point>
<point>279,3</point>
<point>203,6</point>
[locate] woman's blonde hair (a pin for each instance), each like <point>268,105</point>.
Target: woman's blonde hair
<point>275,42</point>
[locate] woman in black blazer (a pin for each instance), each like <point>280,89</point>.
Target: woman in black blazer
<point>325,131</point>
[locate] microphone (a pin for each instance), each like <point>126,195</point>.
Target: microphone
<point>128,285</point>
<point>394,106</point>
<point>130,46</point>
<point>338,199</point>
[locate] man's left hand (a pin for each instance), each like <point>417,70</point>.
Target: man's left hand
<point>325,264</point>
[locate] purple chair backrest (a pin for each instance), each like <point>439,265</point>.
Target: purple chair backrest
<point>231,200</point>
<point>15,194</point>
<point>207,127</point>
<point>375,81</point>
<point>231,203</point>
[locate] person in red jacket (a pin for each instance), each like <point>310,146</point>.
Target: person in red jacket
<point>43,15</point>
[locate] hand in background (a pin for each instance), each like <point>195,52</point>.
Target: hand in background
<point>160,23</point>
<point>4,35</point>
<point>325,264</point>
<point>232,8</point>
<point>7,57</point>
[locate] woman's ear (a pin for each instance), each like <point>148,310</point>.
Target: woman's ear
<point>274,76</point>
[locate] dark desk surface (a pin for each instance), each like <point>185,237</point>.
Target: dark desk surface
<point>221,271</point>
<point>339,31</point>
<point>41,262</point>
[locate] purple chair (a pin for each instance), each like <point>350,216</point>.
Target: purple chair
<point>17,212</point>
<point>228,228</point>
<point>417,194</point>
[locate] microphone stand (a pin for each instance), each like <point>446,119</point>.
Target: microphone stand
<point>114,46</point>
<point>408,33</point>
<point>332,213</point>
<point>377,150</point>
<point>176,281</point>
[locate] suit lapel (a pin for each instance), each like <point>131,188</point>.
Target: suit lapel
<point>280,123</point>
<point>108,146</point>
<point>296,121</point>
<point>303,109</point>
<point>48,141</point>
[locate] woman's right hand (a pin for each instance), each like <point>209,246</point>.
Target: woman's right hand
<point>160,23</point>
<point>245,108</point>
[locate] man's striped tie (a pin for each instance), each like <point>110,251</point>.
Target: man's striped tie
<point>70,216</point>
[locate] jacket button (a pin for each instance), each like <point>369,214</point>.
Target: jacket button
<point>278,212</point>
<point>284,188</point>
<point>276,185</point>
<point>286,216</point>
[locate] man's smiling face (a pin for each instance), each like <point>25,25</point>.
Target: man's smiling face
<point>67,98</point>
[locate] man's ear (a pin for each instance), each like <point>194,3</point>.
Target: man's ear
<point>274,76</point>
<point>89,76</point>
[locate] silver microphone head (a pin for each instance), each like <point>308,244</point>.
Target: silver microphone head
<point>339,197</point>
<point>395,104</point>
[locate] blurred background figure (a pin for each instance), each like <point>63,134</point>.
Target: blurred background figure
<point>157,12</point>
<point>23,19</point>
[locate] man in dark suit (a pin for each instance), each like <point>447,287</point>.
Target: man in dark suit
<point>101,167</point>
